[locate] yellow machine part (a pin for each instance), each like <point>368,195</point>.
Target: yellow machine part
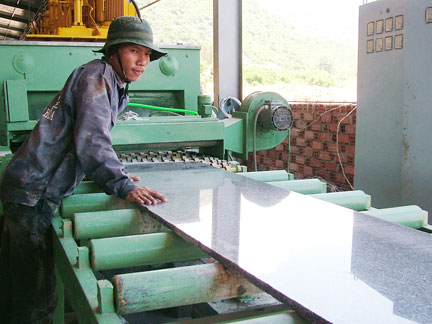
<point>80,19</point>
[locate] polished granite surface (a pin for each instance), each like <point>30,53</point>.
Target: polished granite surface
<point>329,263</point>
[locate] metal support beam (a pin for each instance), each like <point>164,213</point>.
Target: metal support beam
<point>31,6</point>
<point>17,29</point>
<point>227,49</point>
<point>11,36</point>
<point>14,18</point>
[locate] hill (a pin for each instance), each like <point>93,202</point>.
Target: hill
<point>273,51</point>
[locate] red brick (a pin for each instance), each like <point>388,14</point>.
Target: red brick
<point>316,145</point>
<point>300,142</point>
<point>300,123</point>
<point>316,127</point>
<point>340,179</point>
<point>325,137</point>
<point>349,169</point>
<point>324,156</point>
<point>285,156</point>
<point>350,129</point>
<point>308,152</point>
<point>333,128</point>
<point>293,167</point>
<point>332,147</point>
<point>296,115</point>
<point>331,166</point>
<point>326,118</point>
<point>294,149</point>
<point>343,138</point>
<point>300,159</point>
<point>315,163</point>
<point>280,147</point>
<point>272,154</point>
<point>279,163</point>
<point>308,171</point>
<point>350,150</point>
<point>308,116</point>
<point>309,135</point>
<point>323,174</point>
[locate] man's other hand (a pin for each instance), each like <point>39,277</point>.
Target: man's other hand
<point>144,195</point>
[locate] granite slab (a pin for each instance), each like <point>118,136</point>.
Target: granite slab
<point>329,263</point>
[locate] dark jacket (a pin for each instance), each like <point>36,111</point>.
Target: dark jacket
<point>72,139</point>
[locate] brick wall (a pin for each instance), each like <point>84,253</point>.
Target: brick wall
<point>315,140</point>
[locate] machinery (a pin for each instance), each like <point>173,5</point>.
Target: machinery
<point>394,119</point>
<point>121,263</point>
<point>33,72</point>
<point>168,121</point>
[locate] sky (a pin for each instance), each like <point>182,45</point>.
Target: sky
<point>335,20</point>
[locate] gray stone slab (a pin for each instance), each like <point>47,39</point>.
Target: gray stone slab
<point>329,263</point>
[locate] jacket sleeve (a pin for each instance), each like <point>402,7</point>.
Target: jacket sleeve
<point>94,119</point>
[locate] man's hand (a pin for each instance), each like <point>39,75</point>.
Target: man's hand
<point>144,195</point>
<point>134,178</point>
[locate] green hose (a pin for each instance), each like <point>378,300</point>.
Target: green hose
<point>131,104</point>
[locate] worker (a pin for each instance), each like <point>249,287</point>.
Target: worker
<point>72,139</point>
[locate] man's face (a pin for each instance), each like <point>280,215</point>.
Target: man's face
<point>134,58</point>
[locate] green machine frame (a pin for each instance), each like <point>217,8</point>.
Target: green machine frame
<point>33,72</point>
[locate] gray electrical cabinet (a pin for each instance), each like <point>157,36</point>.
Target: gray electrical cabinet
<point>393,160</point>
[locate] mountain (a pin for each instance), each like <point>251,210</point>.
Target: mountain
<point>273,51</point>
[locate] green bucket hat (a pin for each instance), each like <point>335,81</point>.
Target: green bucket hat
<point>128,29</point>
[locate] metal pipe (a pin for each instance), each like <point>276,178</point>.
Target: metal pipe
<point>356,200</point>
<point>99,12</point>
<point>304,186</point>
<point>151,290</point>
<point>111,223</point>
<point>87,187</point>
<point>267,176</point>
<point>139,250</point>
<point>411,216</point>
<point>91,202</point>
<point>77,13</point>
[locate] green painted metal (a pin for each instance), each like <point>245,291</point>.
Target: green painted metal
<point>91,202</point>
<point>59,312</point>
<point>112,223</point>
<point>268,176</point>
<point>304,186</point>
<point>411,216</point>
<point>105,296</point>
<point>234,134</point>
<point>285,317</point>
<point>265,139</point>
<point>87,187</point>
<point>185,111</point>
<point>79,282</point>
<point>356,199</point>
<point>138,250</point>
<point>16,100</point>
<point>177,286</point>
<point>41,68</point>
<point>170,130</point>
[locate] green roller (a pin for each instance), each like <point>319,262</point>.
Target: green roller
<point>110,223</point>
<point>411,216</point>
<point>303,186</point>
<point>268,176</point>
<point>91,202</point>
<point>356,199</point>
<point>158,289</point>
<point>138,250</point>
<point>86,187</point>
<point>286,317</point>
